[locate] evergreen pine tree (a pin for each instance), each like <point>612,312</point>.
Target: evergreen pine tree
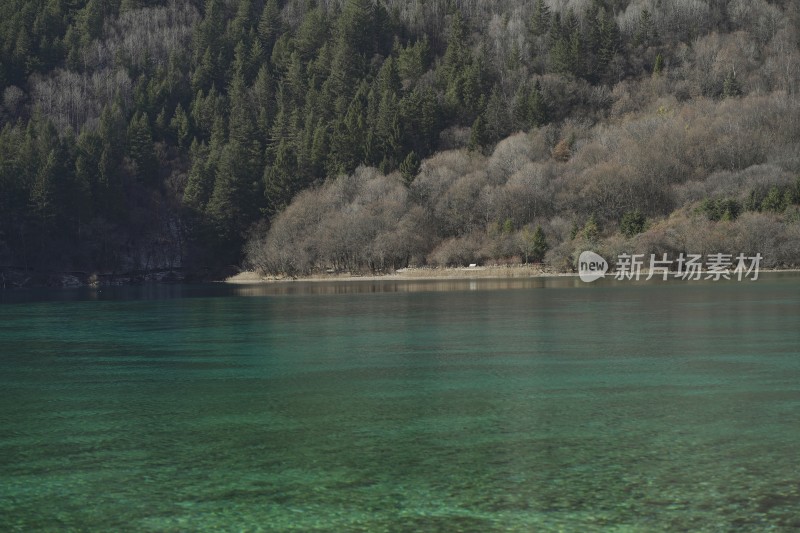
<point>90,21</point>
<point>348,143</point>
<point>456,56</point>
<point>645,30</point>
<point>200,182</point>
<point>210,30</point>
<point>87,158</point>
<point>538,112</point>
<point>632,223</point>
<point>355,42</point>
<point>419,112</point>
<point>478,137</point>
<point>658,66</point>
<point>140,149</point>
<point>278,188</point>
<point>461,74</point>
<point>498,121</point>
<point>539,245</point>
<point>205,161</point>
<point>409,168</point>
<point>540,21</point>
<point>263,101</point>
<point>232,202</point>
<point>239,25</point>
<point>591,230</point>
<point>181,127</point>
<point>42,193</point>
<point>412,61</point>
<point>312,33</point>
<point>319,149</point>
<point>608,42</point>
<point>387,123</point>
<point>564,55</point>
<point>296,79</point>
<point>730,86</point>
<point>775,201</point>
<point>520,112</point>
<point>205,72</point>
<point>269,25</point>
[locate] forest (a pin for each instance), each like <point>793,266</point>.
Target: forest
<point>298,136</point>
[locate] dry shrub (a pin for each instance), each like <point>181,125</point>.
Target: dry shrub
<point>542,141</point>
<point>562,151</point>
<point>455,210</point>
<point>441,170</point>
<point>608,190</point>
<point>737,185</point>
<point>557,228</point>
<point>458,251</point>
<point>670,156</point>
<point>561,257</point>
<point>789,252</point>
<point>614,246</point>
<point>510,155</point>
<point>528,193</point>
<point>762,233</point>
<point>762,19</point>
<point>771,235</point>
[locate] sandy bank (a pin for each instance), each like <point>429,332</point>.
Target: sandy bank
<point>412,274</point>
<point>420,274</point>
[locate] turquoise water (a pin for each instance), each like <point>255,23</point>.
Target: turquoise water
<point>524,405</point>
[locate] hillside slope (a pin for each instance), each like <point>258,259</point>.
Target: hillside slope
<point>142,135</point>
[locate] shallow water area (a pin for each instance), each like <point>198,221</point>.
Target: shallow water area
<point>540,404</point>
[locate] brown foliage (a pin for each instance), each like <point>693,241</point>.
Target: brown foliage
<point>661,161</point>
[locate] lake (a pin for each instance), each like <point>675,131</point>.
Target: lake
<point>523,405</point>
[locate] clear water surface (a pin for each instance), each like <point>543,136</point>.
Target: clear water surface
<point>521,405</point>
